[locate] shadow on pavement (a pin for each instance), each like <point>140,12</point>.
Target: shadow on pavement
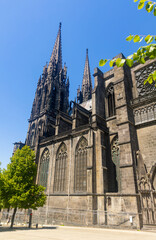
<point>8,229</point>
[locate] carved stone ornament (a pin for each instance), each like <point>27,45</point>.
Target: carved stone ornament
<point>109,89</point>
<point>62,149</point>
<point>141,170</point>
<point>141,75</point>
<point>145,114</point>
<point>45,156</point>
<point>115,146</point>
<point>83,143</point>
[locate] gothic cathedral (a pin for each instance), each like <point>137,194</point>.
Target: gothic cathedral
<point>96,155</point>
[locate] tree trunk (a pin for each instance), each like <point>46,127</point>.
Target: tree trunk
<point>7,216</point>
<point>13,217</point>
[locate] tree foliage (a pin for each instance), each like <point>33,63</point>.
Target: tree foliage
<point>144,52</point>
<point>149,5</point>
<point>1,204</point>
<point>18,188</point>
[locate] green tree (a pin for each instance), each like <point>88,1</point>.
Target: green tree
<point>18,188</point>
<point>1,205</point>
<point>144,52</point>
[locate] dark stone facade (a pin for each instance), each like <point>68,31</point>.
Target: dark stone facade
<point>101,149</point>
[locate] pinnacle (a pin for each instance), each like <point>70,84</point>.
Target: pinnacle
<point>86,83</point>
<point>56,57</point>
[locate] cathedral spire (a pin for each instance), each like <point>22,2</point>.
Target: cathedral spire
<point>56,57</point>
<point>86,83</point>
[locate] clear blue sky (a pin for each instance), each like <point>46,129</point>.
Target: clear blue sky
<point>28,30</point>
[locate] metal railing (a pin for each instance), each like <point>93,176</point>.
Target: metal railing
<point>71,217</point>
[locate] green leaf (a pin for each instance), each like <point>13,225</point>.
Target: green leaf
<point>145,81</point>
<point>139,51</point>
<point>154,76</point>
<point>129,38</point>
<point>154,12</point>
<point>142,60</point>
<point>129,62</point>
<point>141,5</point>
<point>151,49</point>
<point>120,62</point>
<point>148,39</point>
<point>150,79</point>
<point>151,56</point>
<point>102,62</point>
<point>149,6</point>
<point>135,57</point>
<point>112,62</point>
<point>136,38</point>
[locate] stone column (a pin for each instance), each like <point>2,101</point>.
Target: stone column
<point>90,162</point>
<point>90,177</point>
<point>126,131</point>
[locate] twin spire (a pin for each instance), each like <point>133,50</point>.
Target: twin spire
<point>85,93</point>
<point>56,60</point>
<point>56,57</point>
<point>86,83</point>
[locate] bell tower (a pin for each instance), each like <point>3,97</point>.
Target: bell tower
<point>51,96</point>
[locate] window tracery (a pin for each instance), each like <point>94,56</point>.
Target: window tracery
<point>60,169</point>
<point>81,166</point>
<point>44,168</point>
<point>141,75</point>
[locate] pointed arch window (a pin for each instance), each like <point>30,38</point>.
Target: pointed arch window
<point>44,168</point>
<point>60,169</point>
<point>110,100</point>
<point>81,166</point>
<point>115,152</point>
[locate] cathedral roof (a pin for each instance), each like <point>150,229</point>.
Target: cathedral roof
<point>87,105</point>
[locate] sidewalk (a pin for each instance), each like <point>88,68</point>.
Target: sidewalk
<point>73,233</point>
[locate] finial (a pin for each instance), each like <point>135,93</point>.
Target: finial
<point>87,51</point>
<point>60,25</point>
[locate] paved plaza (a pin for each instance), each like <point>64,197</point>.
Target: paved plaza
<point>73,233</point>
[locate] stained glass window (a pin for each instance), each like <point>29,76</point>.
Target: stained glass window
<point>60,169</point>
<point>81,166</point>
<point>43,169</point>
